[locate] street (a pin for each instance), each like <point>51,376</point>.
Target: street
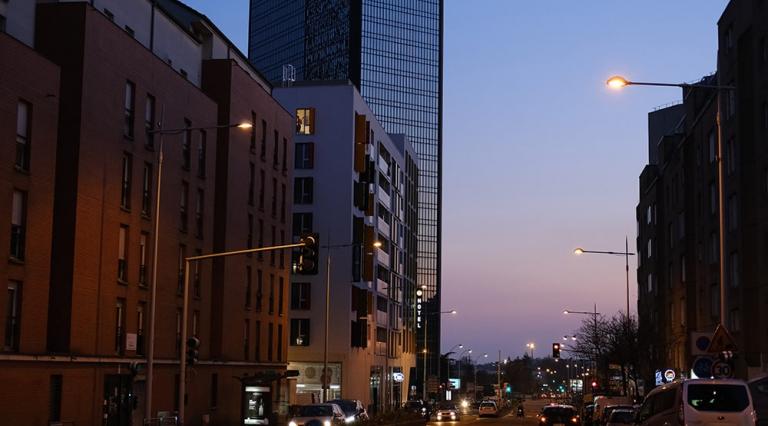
<point>531,408</point>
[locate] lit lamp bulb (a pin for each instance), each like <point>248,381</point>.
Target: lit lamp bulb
<point>245,125</point>
<point>617,82</point>
<point>578,251</point>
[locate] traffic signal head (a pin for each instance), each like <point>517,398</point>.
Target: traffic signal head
<point>193,350</point>
<point>309,253</point>
<point>555,350</point>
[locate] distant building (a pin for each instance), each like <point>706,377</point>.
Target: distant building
<point>678,223</point>
<point>83,88</point>
<point>392,51</point>
<point>354,185</point>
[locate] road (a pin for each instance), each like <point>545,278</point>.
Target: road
<point>531,408</point>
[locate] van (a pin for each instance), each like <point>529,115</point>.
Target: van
<point>602,401</point>
<point>700,401</point>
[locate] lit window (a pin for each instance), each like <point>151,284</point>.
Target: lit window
<point>129,106</point>
<point>305,121</point>
<point>122,249</point>
<point>18,224</point>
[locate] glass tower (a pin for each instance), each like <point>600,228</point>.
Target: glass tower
<point>392,50</point>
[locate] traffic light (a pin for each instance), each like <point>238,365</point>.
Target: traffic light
<point>556,350</point>
<point>508,388</point>
<point>308,254</point>
<point>193,350</point>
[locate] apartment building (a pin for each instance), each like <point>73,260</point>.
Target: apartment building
<point>356,187</point>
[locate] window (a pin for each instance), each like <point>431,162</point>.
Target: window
<point>186,140</point>
<point>261,189</point>
<point>730,156</point>
<point>249,236</point>
<point>279,342</point>
<point>303,188</point>
<point>183,204</point>
<point>649,283</point>
<point>285,155</point>
<point>682,268</point>
<point>274,197</point>
<point>270,341</point>
<point>122,254</point>
<point>146,190</point>
<point>733,213</point>
<point>282,252</point>
<point>280,295</point>
<point>712,145</point>
<point>12,317</point>
<point>149,122</point>
<point>23,130</point>
<point>650,248</point>
<point>304,155</point>
<point>714,250</point>
<point>261,237</point>
<point>180,270</point>
<point>201,149</point>
<point>125,182</point>
<point>301,296</point>
<point>263,152</point>
<point>712,198</point>
<point>120,326</point>
<point>733,269</point>
<point>248,287</point>
<point>302,222</point>
<point>271,294</point>
<point>734,320</point>
<point>18,224</point>
<point>272,253</point>
<point>196,274</point>
<point>130,105</point>
<point>214,390</point>
<point>259,289</point>
<point>140,327</point>
<point>251,182</point>
<point>253,132</point>
<point>275,149</point>
<point>199,206</point>
<point>246,340</point>
<point>299,332</point>
<point>143,240</point>
<point>305,121</point>
<point>730,106</point>
<point>54,408</point>
<point>282,204</point>
<point>714,300</point>
<point>257,341</point>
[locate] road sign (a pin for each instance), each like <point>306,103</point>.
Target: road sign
<point>722,370</point>
<point>700,342</point>
<point>702,367</point>
<point>669,375</point>
<point>721,341</point>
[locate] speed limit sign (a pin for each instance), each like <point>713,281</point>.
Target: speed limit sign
<point>722,370</point>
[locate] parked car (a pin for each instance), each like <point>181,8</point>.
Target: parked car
<point>603,401</point>
<point>621,417</point>
<point>447,411</point>
<point>417,406</point>
<point>353,409</point>
<point>559,415</point>
<point>321,414</point>
<point>759,389</point>
<point>611,408</point>
<point>488,408</point>
<point>700,401</point>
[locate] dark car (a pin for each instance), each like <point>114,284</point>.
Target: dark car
<point>587,412</point>
<point>418,407</point>
<point>611,408</point>
<point>559,415</point>
<point>759,389</point>
<point>353,409</point>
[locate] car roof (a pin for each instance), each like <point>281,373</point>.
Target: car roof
<point>714,382</point>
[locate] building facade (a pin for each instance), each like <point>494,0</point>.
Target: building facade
<point>354,185</point>
<point>678,219</point>
<point>393,53</point>
<point>87,92</point>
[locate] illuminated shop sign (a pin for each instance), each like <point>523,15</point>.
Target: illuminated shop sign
<point>419,312</point>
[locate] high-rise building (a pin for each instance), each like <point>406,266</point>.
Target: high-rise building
<point>393,52</point>
<point>355,185</point>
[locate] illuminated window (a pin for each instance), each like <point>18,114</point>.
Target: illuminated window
<point>129,106</point>
<point>23,111</point>
<point>305,121</point>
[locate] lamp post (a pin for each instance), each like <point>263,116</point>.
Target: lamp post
<point>531,346</point>
<point>619,82</point>
<point>474,365</point>
<point>594,315</point>
<point>325,376</point>
<point>425,351</point>
<point>625,253</point>
<point>448,366</point>
<point>155,241</point>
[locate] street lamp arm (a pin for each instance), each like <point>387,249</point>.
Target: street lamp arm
<point>617,253</point>
<point>185,129</point>
<point>236,252</point>
<point>567,312</point>
<point>682,85</point>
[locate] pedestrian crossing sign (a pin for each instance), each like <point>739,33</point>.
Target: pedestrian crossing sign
<point>721,341</point>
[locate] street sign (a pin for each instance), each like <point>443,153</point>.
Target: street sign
<point>722,370</point>
<point>669,375</point>
<point>702,367</point>
<point>659,378</point>
<point>700,342</point>
<point>721,341</point>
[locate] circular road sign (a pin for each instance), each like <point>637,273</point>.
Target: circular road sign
<point>702,343</point>
<point>702,367</point>
<point>669,375</point>
<point>721,370</point>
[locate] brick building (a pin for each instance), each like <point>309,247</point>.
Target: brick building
<point>91,89</point>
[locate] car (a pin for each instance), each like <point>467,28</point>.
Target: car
<point>353,409</point>
<point>447,411</point>
<point>555,414</point>
<point>488,408</point>
<point>602,401</point>
<point>317,414</point>
<point>698,401</point>
<point>620,417</point>
<point>758,388</point>
<point>587,413</point>
<point>611,408</point>
<point>416,406</point>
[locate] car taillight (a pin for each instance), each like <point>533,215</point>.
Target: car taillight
<point>574,420</point>
<point>543,419</point>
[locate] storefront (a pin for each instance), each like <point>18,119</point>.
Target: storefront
<point>309,383</point>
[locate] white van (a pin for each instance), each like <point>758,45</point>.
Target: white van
<point>701,401</point>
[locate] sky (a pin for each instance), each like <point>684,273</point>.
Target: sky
<point>539,156</point>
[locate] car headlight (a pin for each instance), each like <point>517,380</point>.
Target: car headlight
<point>327,423</point>
<point>575,420</point>
<point>292,423</point>
<point>465,403</point>
<point>349,419</point>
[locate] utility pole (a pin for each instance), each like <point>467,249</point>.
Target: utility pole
<point>498,376</point>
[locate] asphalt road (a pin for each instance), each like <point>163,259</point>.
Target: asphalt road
<point>531,409</point>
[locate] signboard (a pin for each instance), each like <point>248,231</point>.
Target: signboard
<point>659,378</point>
<point>419,308</point>
<point>130,341</point>
<point>577,385</point>
<point>702,367</point>
<point>454,383</point>
<point>721,341</point>
<point>398,377</point>
<point>669,375</point>
<point>722,370</point>
<point>700,342</point>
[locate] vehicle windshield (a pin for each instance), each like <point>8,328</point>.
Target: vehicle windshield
<point>622,416</point>
<point>314,411</point>
<point>723,398</point>
<point>446,406</point>
<point>559,414</point>
<point>349,407</point>
<point>487,405</point>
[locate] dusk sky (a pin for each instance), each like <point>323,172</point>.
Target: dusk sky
<point>540,157</point>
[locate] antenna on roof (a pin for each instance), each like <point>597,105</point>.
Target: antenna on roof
<point>289,75</point>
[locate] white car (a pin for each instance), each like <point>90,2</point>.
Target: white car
<point>326,414</point>
<point>700,401</point>
<point>488,408</point>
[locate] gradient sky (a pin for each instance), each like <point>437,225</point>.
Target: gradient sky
<point>539,156</point>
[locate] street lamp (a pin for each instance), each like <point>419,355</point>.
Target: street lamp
<point>594,315</point>
<point>155,241</point>
<point>531,346</point>
<point>426,324</point>
<point>579,251</point>
<point>474,365</point>
<point>569,337</point>
<point>619,82</point>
